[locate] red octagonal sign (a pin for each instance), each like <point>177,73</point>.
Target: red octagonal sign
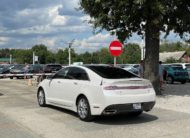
<point>115,48</point>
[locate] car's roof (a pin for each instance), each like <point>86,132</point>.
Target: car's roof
<point>97,65</point>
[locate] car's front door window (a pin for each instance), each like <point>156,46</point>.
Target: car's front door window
<point>62,74</point>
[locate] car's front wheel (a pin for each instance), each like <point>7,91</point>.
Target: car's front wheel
<point>83,109</point>
<point>41,98</point>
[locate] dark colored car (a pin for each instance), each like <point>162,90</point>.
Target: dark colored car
<point>4,69</point>
<point>37,68</point>
<point>51,68</point>
<point>176,73</point>
<point>18,69</point>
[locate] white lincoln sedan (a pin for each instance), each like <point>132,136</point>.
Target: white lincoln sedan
<point>92,90</point>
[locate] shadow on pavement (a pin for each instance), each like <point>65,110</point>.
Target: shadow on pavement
<point>125,119</point>
<point>63,110</point>
<point>120,119</point>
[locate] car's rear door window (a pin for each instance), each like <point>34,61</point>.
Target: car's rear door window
<point>110,72</point>
<point>77,73</point>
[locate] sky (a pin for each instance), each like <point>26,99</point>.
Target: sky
<point>54,23</point>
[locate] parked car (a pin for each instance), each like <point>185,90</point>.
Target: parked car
<point>132,70</point>
<point>36,68</point>
<point>184,66</point>
<point>93,90</point>
<point>176,73</point>
<point>18,69</point>
<point>4,70</point>
<point>51,68</point>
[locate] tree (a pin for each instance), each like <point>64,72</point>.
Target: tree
<point>171,60</point>
<point>60,57</point>
<point>22,56</point>
<point>50,57</point>
<point>172,47</point>
<point>40,51</point>
<point>144,17</point>
<point>132,53</point>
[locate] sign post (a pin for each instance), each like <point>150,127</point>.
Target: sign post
<point>115,49</point>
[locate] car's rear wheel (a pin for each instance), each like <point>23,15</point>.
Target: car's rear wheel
<point>83,109</point>
<point>11,77</point>
<point>170,80</point>
<point>41,98</point>
<point>183,82</point>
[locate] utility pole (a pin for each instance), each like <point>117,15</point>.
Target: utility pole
<point>142,46</point>
<point>70,44</point>
<point>33,58</point>
<point>10,59</point>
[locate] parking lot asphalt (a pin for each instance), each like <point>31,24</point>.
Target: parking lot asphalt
<point>21,117</point>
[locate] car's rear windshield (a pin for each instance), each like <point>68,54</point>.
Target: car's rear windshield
<point>187,65</point>
<point>177,68</point>
<point>111,72</point>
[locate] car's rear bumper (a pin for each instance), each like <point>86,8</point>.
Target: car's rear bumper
<point>124,103</point>
<point>122,108</point>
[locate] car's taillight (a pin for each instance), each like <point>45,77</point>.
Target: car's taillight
<point>110,88</point>
<point>127,87</point>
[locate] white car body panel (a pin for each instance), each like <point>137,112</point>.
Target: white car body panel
<point>64,92</point>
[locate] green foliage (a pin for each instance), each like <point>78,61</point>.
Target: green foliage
<point>60,57</point>
<point>125,17</point>
<point>133,53</point>
<point>171,47</point>
<point>41,51</point>
<point>5,53</point>
<point>144,17</point>
<point>50,57</point>
<point>188,51</point>
<point>172,60</point>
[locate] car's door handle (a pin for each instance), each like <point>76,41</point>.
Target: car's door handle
<point>58,82</point>
<point>75,83</point>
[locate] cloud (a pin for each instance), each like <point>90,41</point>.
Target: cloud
<point>25,23</point>
<point>3,40</point>
<point>70,8</point>
<point>93,43</point>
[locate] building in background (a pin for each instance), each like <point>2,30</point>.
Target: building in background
<point>6,60</point>
<point>180,56</point>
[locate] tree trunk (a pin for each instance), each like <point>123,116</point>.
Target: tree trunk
<point>152,44</point>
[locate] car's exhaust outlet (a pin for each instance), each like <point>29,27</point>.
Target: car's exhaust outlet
<point>110,112</point>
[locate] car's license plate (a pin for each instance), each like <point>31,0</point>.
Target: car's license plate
<point>137,106</point>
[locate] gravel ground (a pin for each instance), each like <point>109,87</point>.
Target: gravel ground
<point>175,97</point>
<point>21,117</point>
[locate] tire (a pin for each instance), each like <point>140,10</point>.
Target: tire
<point>170,80</point>
<point>183,82</point>
<point>11,78</point>
<point>41,98</point>
<point>135,113</point>
<point>83,109</point>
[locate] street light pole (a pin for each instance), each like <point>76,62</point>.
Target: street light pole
<point>69,54</point>
<point>70,44</point>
